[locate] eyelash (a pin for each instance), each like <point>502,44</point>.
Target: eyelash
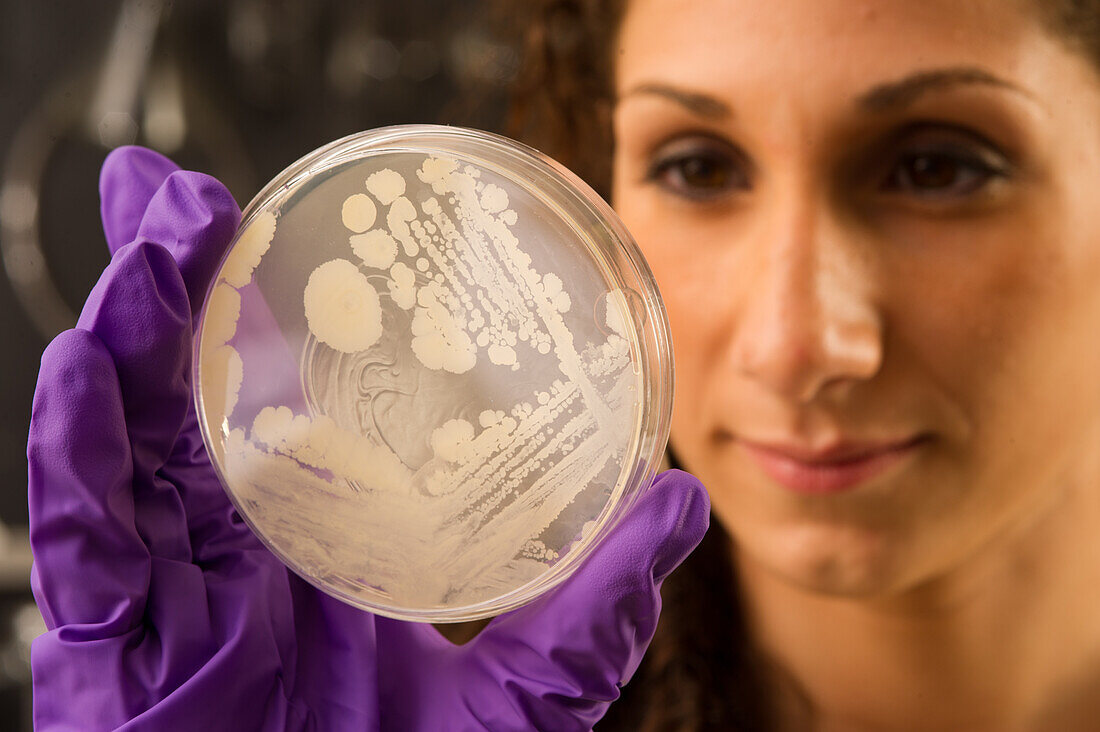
<point>975,162</point>
<point>977,167</point>
<point>669,169</point>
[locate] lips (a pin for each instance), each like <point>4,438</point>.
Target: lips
<point>840,467</point>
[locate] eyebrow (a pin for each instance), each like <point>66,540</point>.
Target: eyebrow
<point>905,91</point>
<point>702,105</point>
<point>880,98</point>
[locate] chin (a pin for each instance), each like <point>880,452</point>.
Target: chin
<point>829,560</point>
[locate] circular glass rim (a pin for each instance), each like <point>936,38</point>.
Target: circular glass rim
<point>634,274</point>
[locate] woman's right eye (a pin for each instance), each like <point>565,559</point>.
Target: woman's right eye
<point>698,169</point>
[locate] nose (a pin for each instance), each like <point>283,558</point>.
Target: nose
<point>807,318</point>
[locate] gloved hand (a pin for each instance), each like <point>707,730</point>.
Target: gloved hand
<point>166,613</point>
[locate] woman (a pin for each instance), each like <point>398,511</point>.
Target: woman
<point>873,226</point>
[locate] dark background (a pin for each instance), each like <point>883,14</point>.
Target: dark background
<point>239,89</point>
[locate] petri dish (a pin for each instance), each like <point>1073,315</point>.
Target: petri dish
<point>433,371</point>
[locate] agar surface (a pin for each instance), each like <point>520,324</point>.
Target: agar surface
<point>461,437</point>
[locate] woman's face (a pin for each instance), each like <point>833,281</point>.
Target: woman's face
<point>871,222</point>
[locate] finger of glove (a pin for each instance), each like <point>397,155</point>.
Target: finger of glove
<point>556,664</point>
<point>194,217</point>
<point>91,566</point>
<point>139,311</point>
<point>127,181</point>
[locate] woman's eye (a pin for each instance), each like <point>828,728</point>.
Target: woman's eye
<point>697,171</point>
<point>944,173</point>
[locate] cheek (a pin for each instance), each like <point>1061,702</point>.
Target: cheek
<point>696,283</point>
<point>1001,319</point>
<point>700,316</point>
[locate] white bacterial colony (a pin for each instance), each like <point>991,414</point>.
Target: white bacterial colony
<point>342,308</point>
<point>462,433</point>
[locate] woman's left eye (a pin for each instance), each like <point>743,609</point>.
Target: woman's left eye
<point>944,172</point>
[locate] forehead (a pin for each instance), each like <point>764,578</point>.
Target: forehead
<point>837,46</point>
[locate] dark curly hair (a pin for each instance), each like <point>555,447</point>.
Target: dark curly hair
<point>701,671</point>
<point>562,98</point>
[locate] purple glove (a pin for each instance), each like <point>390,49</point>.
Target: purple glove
<point>166,613</point>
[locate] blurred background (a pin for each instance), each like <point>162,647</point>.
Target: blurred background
<point>239,89</point>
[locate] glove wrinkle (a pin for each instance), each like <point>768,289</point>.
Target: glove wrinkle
<point>194,217</point>
<point>90,566</point>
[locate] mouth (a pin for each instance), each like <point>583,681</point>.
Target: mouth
<point>839,469</point>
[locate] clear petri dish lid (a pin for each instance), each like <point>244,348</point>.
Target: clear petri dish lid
<point>433,371</point>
